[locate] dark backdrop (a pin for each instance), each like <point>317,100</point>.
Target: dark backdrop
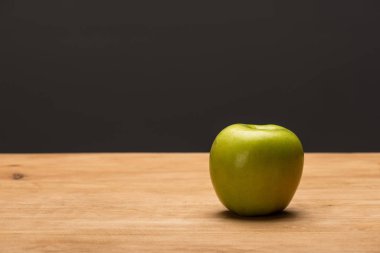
<point>102,75</point>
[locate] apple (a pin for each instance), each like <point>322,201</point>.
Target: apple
<point>256,169</point>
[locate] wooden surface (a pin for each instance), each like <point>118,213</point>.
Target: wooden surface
<point>165,203</point>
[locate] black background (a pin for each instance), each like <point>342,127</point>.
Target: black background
<point>169,75</point>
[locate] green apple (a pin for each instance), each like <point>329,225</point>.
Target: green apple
<point>256,169</point>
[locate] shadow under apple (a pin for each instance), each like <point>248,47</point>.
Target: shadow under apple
<point>279,216</point>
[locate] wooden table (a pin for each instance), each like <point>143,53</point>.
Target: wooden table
<point>165,203</point>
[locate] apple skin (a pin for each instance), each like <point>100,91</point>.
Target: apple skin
<point>256,169</point>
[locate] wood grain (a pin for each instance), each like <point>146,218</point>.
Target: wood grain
<point>165,203</point>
